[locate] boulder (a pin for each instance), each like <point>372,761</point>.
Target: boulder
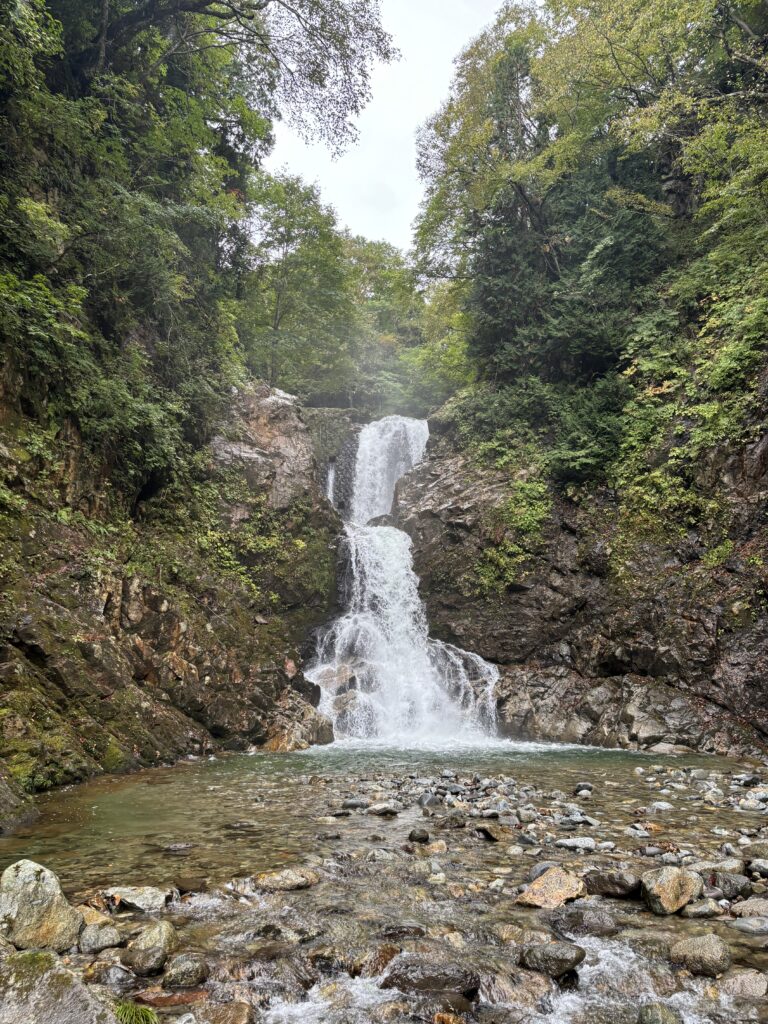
<point>144,962</point>
<point>146,898</point>
<point>552,889</point>
<point>702,954</point>
<point>755,907</point>
<point>34,913</point>
<point>187,970</point>
<point>749,984</point>
<point>96,937</point>
<point>658,1013</point>
<point>581,918</point>
<point>616,883</point>
<point>288,880</point>
<point>667,890</point>
<point>413,972</point>
<point>36,989</point>
<point>553,958</point>
<point>158,935</point>
<point>702,910</point>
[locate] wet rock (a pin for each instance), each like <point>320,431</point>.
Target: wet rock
<point>384,810</point>
<point>144,962</point>
<point>707,955</point>
<point>750,925</point>
<point>749,984</point>
<point>702,910</point>
<point>581,918</point>
<point>187,970</point>
<point>755,907</point>
<point>288,880</point>
<point>552,889</point>
<point>34,913</point>
<point>96,937</point>
<point>581,844</point>
<point>231,1013</point>
<point>413,972</point>
<point>418,835</point>
<point>729,865</point>
<point>147,899</point>
<point>158,935</point>
<point>731,886</point>
<point>616,883</point>
<point>36,989</point>
<point>759,866</point>
<point>553,958</point>
<point>667,890</point>
<point>658,1013</point>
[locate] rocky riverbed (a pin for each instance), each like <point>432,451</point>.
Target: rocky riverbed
<point>632,892</point>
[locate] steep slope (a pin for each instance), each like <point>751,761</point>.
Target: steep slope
<point>604,637</point>
<point>133,641</point>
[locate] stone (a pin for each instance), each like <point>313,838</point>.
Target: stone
<point>418,835</point>
<point>750,925</point>
<point>230,1013</point>
<point>553,958</point>
<point>96,937</point>
<point>732,886</point>
<point>667,890</point>
<point>617,883</point>
<point>702,910</point>
<point>729,865</point>
<point>581,918</point>
<point>288,880</point>
<point>158,935</point>
<point>759,866</point>
<point>580,844</point>
<point>413,972</point>
<point>384,810</point>
<point>144,962</point>
<point>707,955</point>
<point>748,984</point>
<point>35,988</point>
<point>552,889</point>
<point>754,907</point>
<point>187,970</point>
<point>147,899</point>
<point>658,1013</point>
<point>34,913</point>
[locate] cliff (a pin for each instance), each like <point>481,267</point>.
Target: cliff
<point>135,639</point>
<point>604,636</point>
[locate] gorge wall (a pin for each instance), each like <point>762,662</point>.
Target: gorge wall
<point>129,640</point>
<point>603,638</point>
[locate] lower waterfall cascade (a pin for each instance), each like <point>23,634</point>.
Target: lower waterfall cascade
<point>383,680</point>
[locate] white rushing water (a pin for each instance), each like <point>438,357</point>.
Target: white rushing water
<point>383,679</point>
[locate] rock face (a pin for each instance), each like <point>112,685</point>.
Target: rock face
<point>599,641</point>
<point>707,955</point>
<point>34,913</point>
<point>667,890</point>
<point>34,987</point>
<point>175,629</point>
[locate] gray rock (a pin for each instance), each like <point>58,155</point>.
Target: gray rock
<point>541,868</point>
<point>729,866</point>
<point>419,835</point>
<point>658,1013</point>
<point>707,955</point>
<point>384,810</point>
<point>667,890</point>
<point>34,913</point>
<point>732,886</point>
<point>751,925</point>
<point>702,910</point>
<point>580,843</point>
<point>96,937</point>
<point>553,958</point>
<point>754,907</point>
<point>144,962</point>
<point>759,866</point>
<point>145,898</point>
<point>618,883</point>
<point>413,972</point>
<point>187,970</point>
<point>36,989</point>
<point>581,918</point>
<point>158,935</point>
<point>749,984</point>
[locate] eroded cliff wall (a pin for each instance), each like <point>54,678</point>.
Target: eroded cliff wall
<point>130,640</point>
<point>604,637</point>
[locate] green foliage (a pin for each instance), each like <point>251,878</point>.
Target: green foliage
<point>514,530</point>
<point>596,204</point>
<point>132,1013</point>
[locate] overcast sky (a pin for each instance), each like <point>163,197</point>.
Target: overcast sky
<point>374,186</point>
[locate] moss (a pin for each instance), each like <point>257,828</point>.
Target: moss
<point>130,1013</point>
<point>514,533</point>
<point>24,970</point>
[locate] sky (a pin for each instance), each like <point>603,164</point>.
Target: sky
<point>374,185</point>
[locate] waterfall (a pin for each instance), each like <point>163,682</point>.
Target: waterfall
<point>382,678</point>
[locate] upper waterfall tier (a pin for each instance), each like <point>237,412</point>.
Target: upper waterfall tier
<point>387,450</point>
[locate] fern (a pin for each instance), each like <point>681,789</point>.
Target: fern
<point>130,1013</point>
